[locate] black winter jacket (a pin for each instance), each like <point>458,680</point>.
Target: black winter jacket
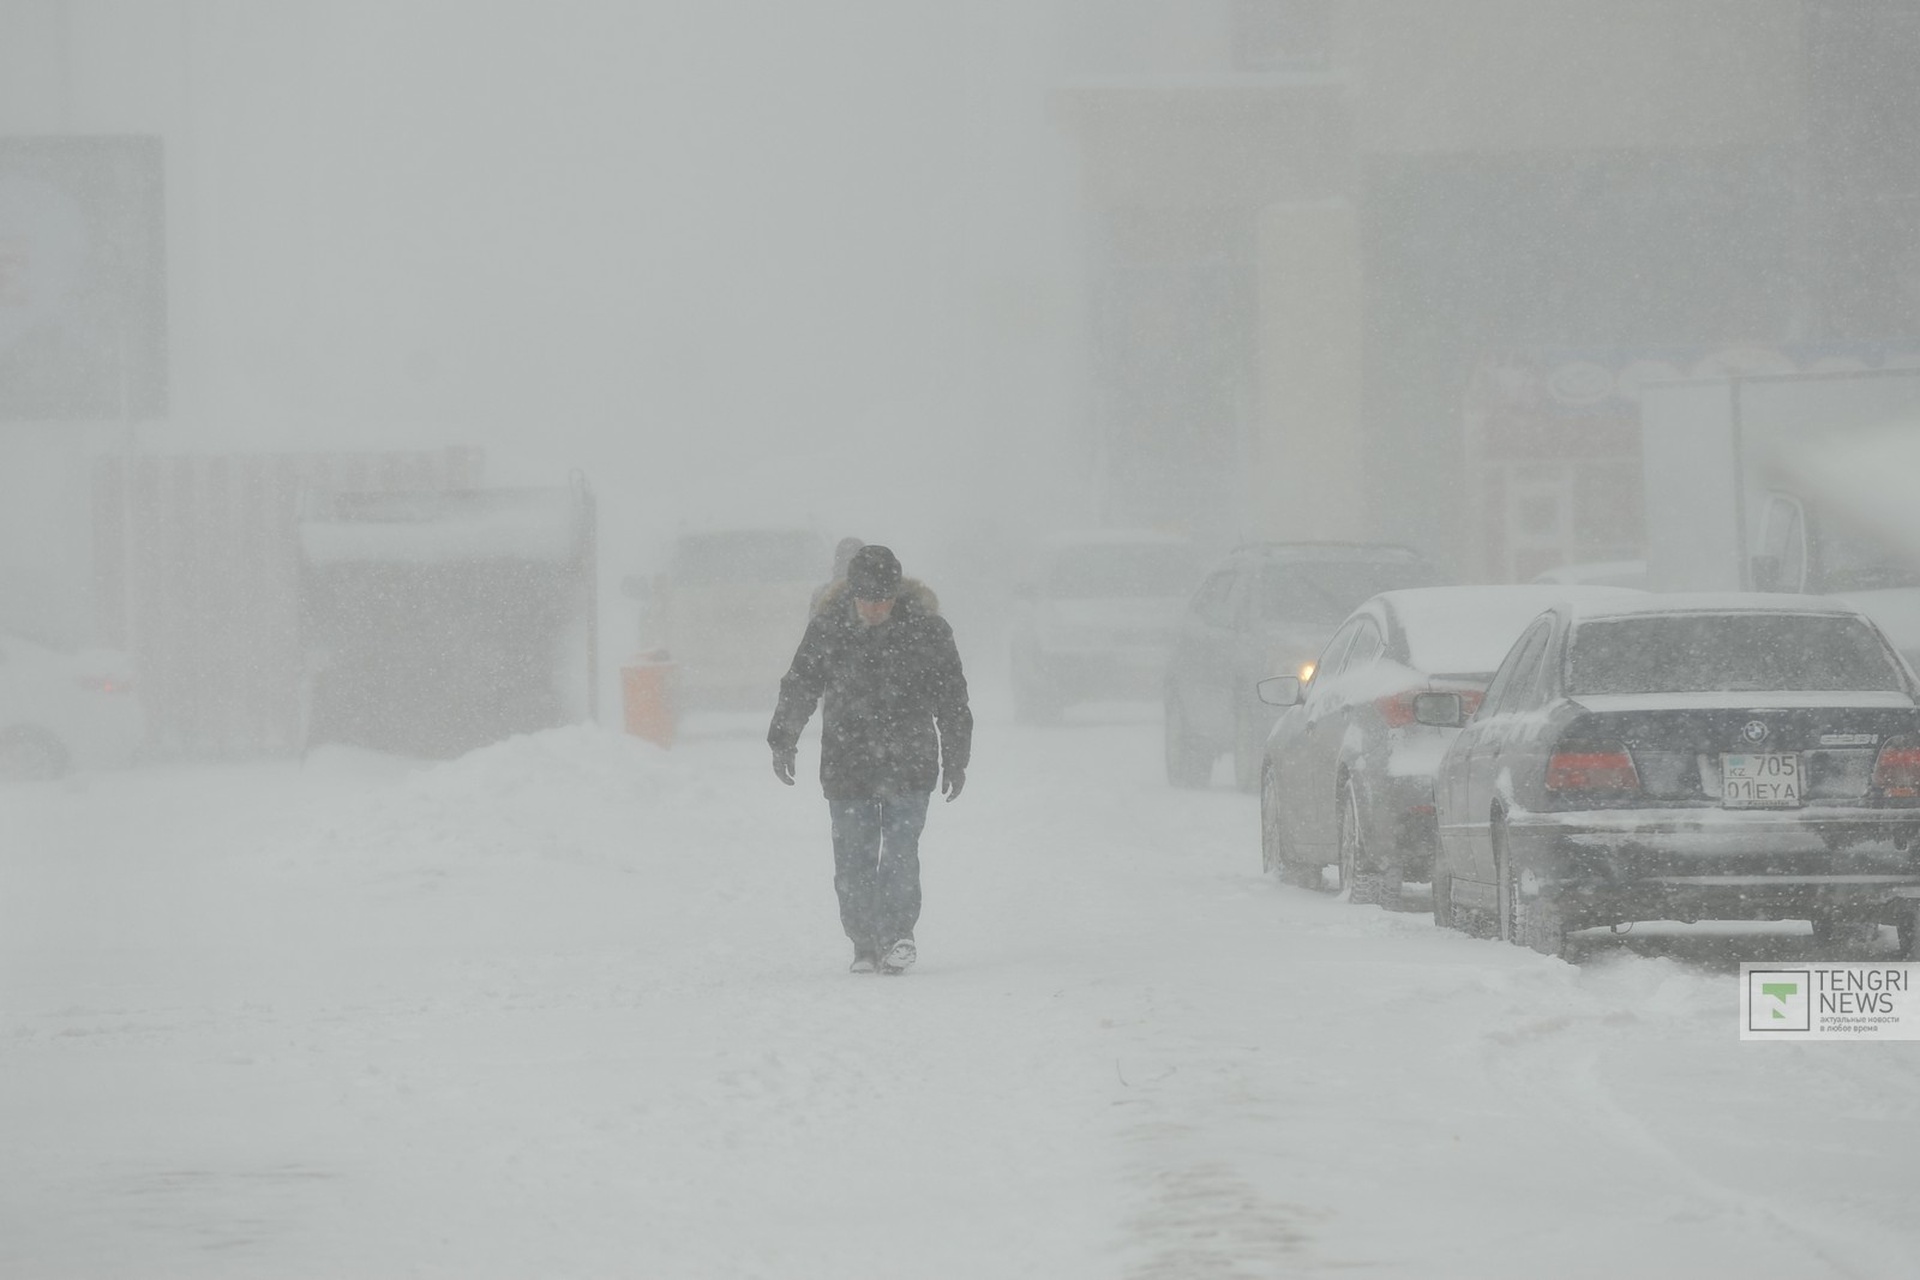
<point>896,699</point>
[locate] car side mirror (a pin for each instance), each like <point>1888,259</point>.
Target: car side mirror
<point>1439,710</point>
<point>1280,691</point>
<point>1766,573</point>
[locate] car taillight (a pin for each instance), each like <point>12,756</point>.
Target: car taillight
<point>1397,709</point>
<point>1897,771</point>
<point>105,684</point>
<point>1606,769</point>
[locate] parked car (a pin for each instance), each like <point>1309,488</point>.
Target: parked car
<point>1267,607</point>
<point>1348,772</point>
<point>60,711</point>
<point>728,610</point>
<point>1684,757</point>
<point>1096,619</point>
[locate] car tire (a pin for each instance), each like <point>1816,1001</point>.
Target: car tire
<point>1189,763</point>
<point>1365,885</point>
<point>28,754</point>
<point>1535,921</point>
<point>1543,926</point>
<point>1845,933</point>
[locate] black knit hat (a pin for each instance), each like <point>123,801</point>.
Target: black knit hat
<point>874,573</point>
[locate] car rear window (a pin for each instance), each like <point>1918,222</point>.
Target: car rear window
<point>1114,572</point>
<point>1329,590</point>
<point>1708,653</point>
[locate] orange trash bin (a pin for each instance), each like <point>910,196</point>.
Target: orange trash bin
<point>646,696</point>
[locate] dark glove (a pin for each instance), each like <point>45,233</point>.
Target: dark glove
<point>951,781</point>
<point>783,763</point>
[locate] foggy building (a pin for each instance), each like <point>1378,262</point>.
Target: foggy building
<point>1310,220</point>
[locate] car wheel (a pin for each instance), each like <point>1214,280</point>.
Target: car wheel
<point>1527,920</point>
<point>31,755</point>
<point>1365,884</point>
<point>1845,933</point>
<point>1189,763</point>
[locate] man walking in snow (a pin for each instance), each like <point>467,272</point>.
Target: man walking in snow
<point>895,723</point>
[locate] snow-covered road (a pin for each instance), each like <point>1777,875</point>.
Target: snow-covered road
<point>574,1006</point>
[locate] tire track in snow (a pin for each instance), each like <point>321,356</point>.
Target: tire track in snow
<point>1559,1060</point>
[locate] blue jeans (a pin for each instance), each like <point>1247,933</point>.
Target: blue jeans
<point>876,866</point>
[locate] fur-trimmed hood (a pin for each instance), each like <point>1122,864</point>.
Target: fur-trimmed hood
<point>915,594</point>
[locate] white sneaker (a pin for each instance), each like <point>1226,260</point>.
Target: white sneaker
<point>898,956</point>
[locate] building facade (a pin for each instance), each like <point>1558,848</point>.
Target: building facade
<point>1355,204</point>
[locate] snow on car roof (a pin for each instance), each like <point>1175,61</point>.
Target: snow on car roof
<point>1652,602</point>
<point>1468,630</point>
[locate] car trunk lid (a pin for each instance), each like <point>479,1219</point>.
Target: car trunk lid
<point>1681,746</point>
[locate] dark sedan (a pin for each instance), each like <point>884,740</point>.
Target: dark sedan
<point>1347,777</point>
<point>1739,757</point>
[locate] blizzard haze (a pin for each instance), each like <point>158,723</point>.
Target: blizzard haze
<point>729,259</point>
<point>393,879</point>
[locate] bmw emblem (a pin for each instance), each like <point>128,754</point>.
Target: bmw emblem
<point>1755,732</point>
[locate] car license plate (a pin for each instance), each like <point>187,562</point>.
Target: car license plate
<point>1767,780</point>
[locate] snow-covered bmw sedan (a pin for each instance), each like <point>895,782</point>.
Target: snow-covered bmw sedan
<point>1683,757</point>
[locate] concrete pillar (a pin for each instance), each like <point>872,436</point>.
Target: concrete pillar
<point>1306,471</point>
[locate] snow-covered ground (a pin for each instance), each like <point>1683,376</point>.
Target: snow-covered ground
<point>576,1006</point>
